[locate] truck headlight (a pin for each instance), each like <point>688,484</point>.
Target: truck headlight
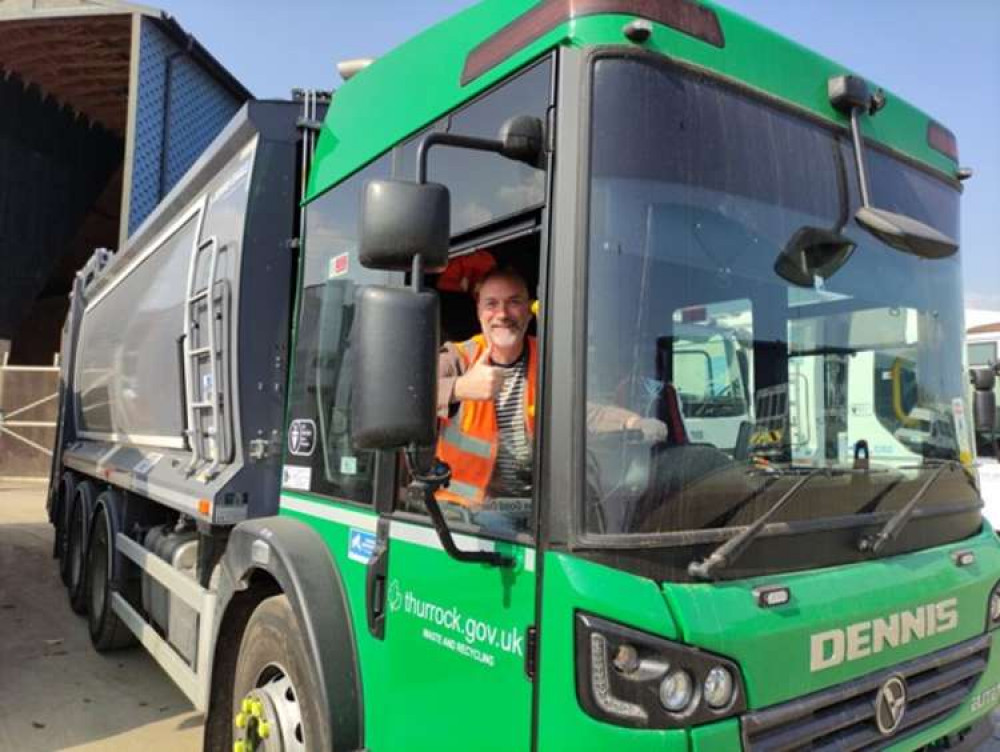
<point>719,687</point>
<point>677,691</point>
<point>633,678</point>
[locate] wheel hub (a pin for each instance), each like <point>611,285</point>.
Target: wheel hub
<point>269,718</point>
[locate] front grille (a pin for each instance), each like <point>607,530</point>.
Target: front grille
<point>843,718</point>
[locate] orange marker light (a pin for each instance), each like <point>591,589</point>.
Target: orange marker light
<point>204,507</point>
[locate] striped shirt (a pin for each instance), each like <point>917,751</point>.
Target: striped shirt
<point>512,476</point>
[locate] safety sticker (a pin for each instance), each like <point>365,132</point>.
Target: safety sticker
<point>339,265</point>
<point>961,430</point>
<point>302,437</point>
<point>348,465</point>
<point>146,464</point>
<point>296,478</point>
<point>360,545</point>
<point>207,387</point>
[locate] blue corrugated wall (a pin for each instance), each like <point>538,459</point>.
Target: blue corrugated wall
<point>197,108</point>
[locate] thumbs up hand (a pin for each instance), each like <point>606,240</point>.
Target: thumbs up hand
<point>482,381</point>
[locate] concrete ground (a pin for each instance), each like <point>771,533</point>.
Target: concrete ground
<point>56,692</point>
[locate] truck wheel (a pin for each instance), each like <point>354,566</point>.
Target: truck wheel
<point>275,698</point>
<point>107,632</point>
<point>76,547</point>
<point>67,494</point>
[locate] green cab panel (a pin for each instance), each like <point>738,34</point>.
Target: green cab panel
<point>570,585</point>
<point>451,664</point>
<point>455,647</point>
<point>841,622</point>
<point>383,105</point>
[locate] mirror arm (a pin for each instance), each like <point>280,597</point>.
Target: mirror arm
<point>859,157</point>
<point>451,139</point>
<point>417,273</point>
<point>423,486</point>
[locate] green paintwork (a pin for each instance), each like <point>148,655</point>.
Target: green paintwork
<point>723,617</point>
<point>418,82</point>
<point>447,685</point>
<point>352,574</point>
<point>571,584</point>
<point>771,645</point>
<point>420,694</point>
<point>426,686</point>
<point>423,694</point>
<point>716,737</point>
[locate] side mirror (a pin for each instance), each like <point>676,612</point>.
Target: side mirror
<point>400,220</point>
<point>812,252</point>
<point>984,404</point>
<point>905,233</point>
<point>851,95</point>
<point>394,397</point>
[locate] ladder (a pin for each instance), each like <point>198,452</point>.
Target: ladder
<point>203,396</point>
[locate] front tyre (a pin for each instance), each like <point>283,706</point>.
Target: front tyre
<point>276,705</point>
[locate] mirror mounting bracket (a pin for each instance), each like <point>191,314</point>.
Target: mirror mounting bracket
<point>422,487</point>
<point>851,96</point>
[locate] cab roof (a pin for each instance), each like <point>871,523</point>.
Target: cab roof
<point>430,75</point>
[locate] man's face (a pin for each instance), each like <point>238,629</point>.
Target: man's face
<point>504,311</point>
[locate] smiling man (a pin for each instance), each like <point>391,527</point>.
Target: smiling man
<point>486,400</point>
<point>486,397</point>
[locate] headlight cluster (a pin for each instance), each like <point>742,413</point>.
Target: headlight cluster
<point>993,608</point>
<point>633,678</point>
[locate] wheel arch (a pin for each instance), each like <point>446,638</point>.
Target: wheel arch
<point>275,555</point>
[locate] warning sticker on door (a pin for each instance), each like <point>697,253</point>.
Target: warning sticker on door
<point>360,545</point>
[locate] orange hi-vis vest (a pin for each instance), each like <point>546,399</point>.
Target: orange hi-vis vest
<point>468,441</point>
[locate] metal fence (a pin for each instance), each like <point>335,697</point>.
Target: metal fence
<point>29,406</point>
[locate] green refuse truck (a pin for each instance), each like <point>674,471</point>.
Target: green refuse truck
<point>725,233</point>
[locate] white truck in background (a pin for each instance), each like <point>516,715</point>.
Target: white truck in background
<point>983,352</point>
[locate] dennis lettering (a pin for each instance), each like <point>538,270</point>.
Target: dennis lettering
<point>864,638</point>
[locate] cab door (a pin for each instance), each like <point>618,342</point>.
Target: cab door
<point>456,643</point>
<point>457,635</point>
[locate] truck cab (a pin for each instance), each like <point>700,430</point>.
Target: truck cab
<point>702,255</point>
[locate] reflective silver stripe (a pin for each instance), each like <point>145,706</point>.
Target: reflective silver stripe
<point>470,444</point>
<point>469,347</point>
<point>465,490</point>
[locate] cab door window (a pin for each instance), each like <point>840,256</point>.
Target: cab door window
<point>320,455</point>
<point>497,206</point>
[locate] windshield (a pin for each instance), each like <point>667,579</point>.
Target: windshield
<point>698,195</point>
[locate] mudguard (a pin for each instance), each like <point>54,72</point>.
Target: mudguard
<point>297,558</point>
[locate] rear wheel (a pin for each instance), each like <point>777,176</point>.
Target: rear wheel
<point>107,632</point>
<point>67,495</point>
<point>76,547</point>
<point>275,698</point>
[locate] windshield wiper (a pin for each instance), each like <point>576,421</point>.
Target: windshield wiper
<point>894,525</point>
<point>733,548</point>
